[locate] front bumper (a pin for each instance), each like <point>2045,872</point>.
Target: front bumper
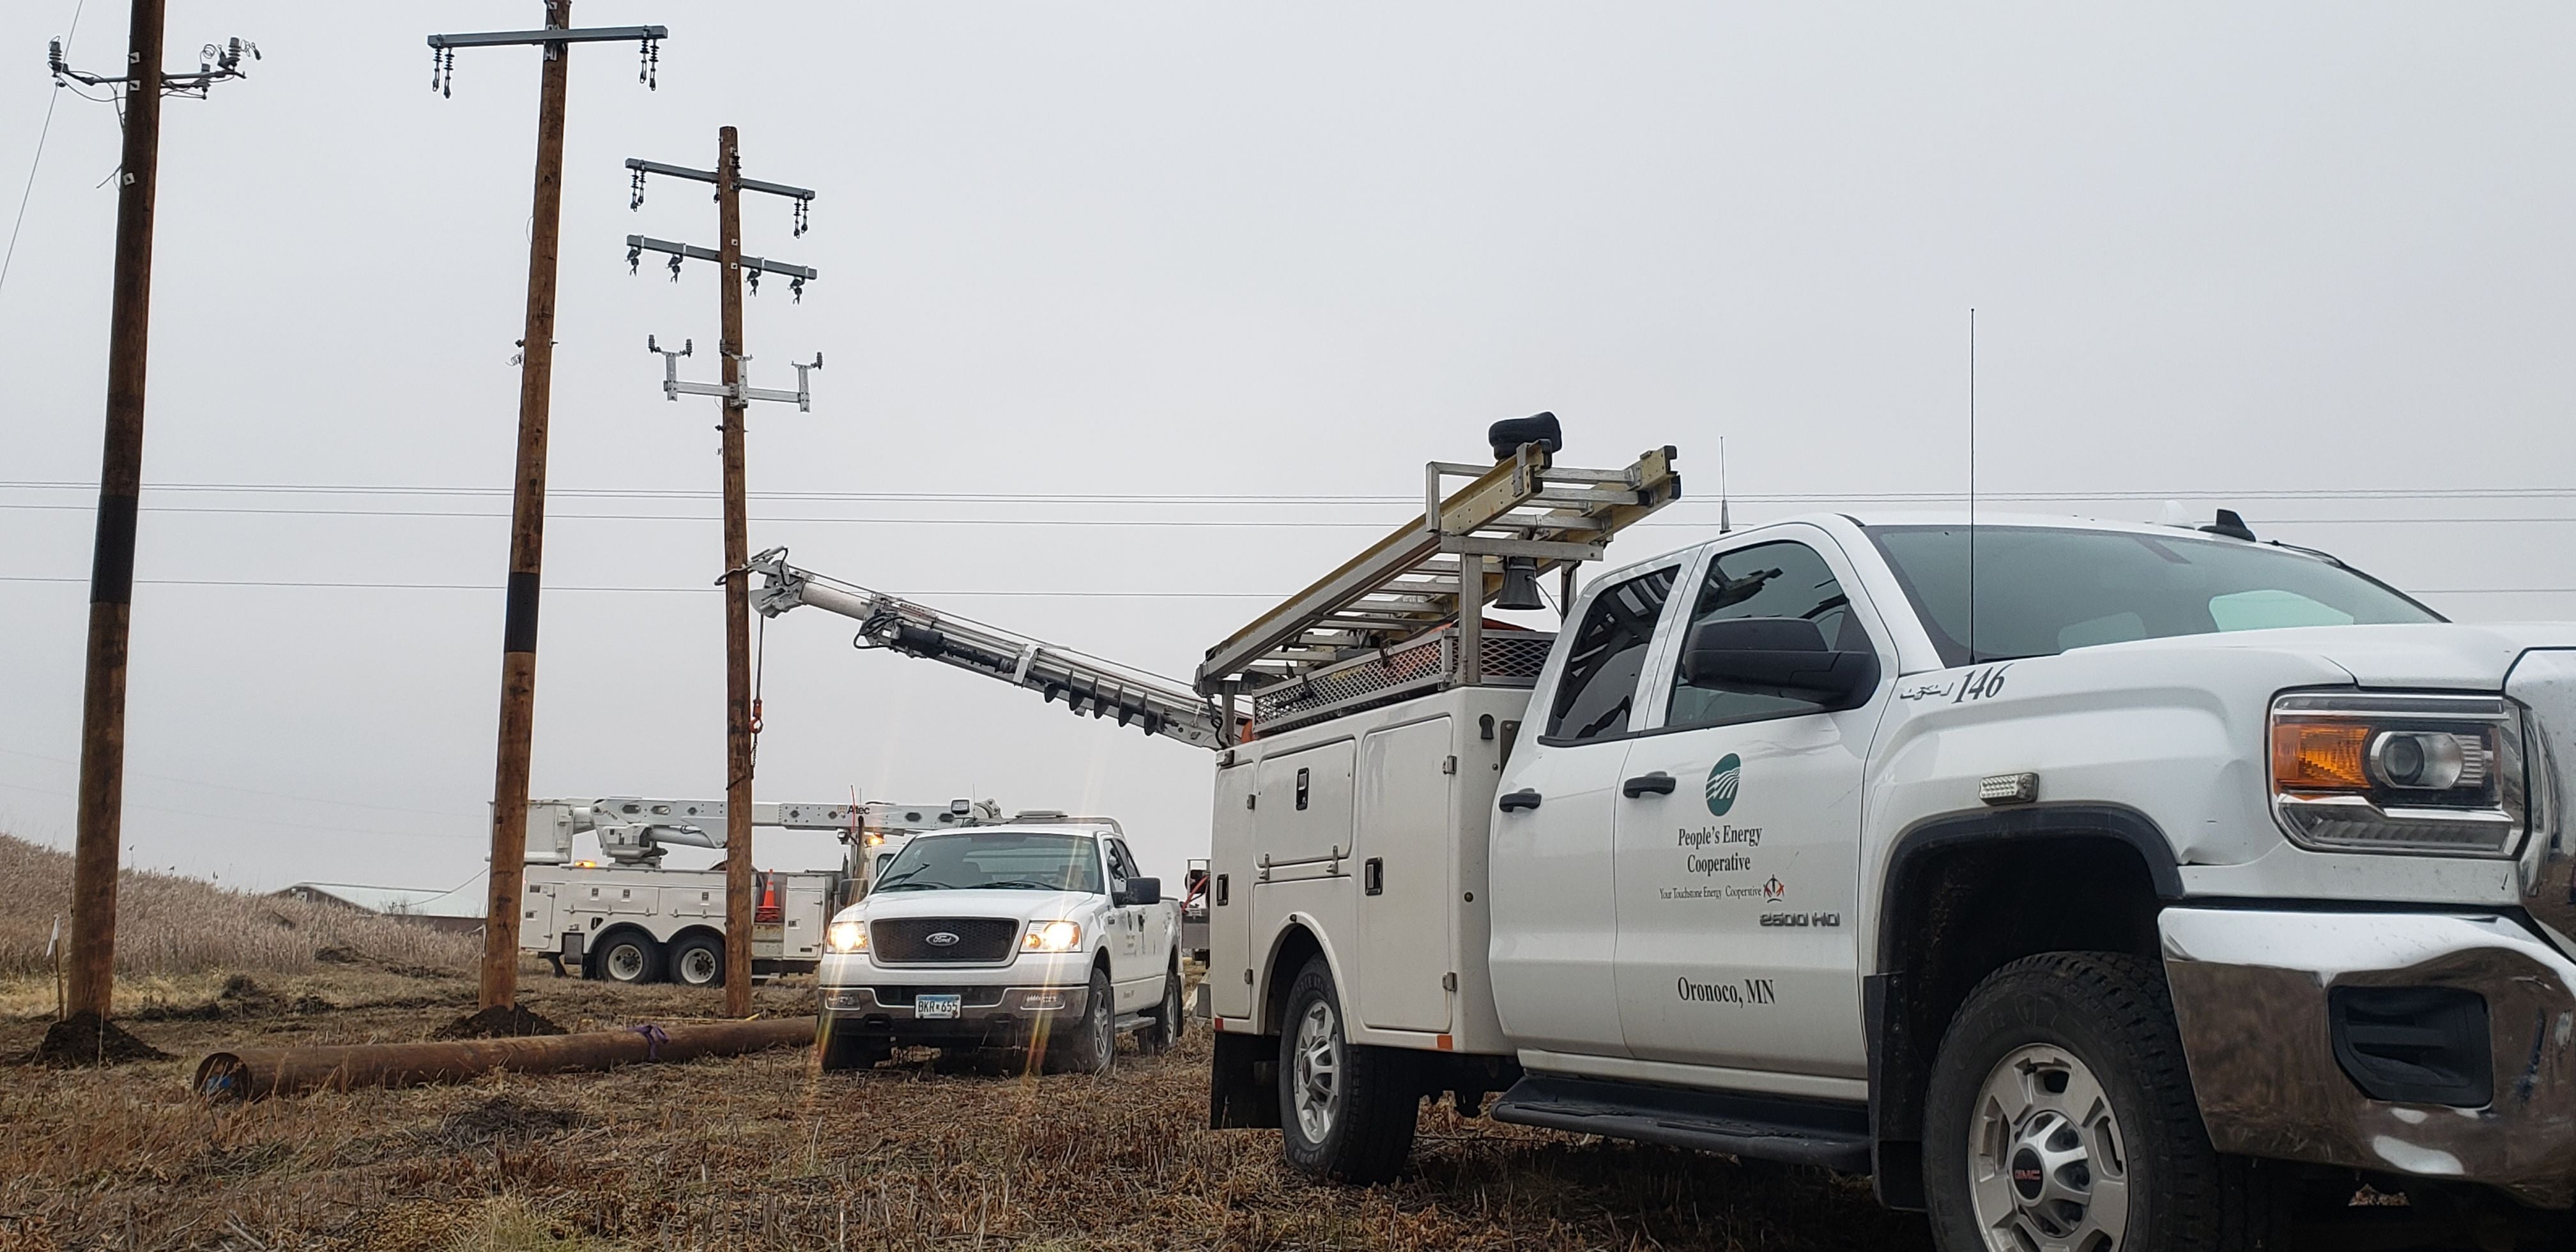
<point>988,1017</point>
<point>2253,994</point>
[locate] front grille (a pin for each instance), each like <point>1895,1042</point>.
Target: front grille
<point>970,997</point>
<point>907,940</point>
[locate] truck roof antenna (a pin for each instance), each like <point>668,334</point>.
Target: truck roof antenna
<point>1725,523</point>
<point>1972,486</point>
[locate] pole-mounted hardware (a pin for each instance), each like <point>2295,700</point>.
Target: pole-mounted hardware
<point>754,266</point>
<point>442,49</point>
<point>673,388</point>
<point>803,196</point>
<point>215,63</point>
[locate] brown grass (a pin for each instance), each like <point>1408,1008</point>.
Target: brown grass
<point>764,1152</point>
<point>171,927</point>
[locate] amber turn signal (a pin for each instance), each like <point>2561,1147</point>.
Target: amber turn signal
<point>2320,755</point>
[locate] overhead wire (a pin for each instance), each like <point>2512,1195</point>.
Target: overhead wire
<point>37,161</point>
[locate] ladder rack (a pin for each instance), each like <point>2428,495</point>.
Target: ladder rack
<point>1429,574</point>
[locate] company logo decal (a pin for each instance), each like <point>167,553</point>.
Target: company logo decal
<point>1774,889</point>
<point>1723,782</point>
<point>942,939</point>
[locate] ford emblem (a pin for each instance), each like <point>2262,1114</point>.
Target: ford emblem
<point>942,939</point>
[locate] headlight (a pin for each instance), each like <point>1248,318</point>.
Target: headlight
<point>1052,937</point>
<point>2376,773</point>
<point>849,936</point>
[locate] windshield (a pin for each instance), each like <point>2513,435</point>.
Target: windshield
<point>995,860</point>
<point>2042,590</point>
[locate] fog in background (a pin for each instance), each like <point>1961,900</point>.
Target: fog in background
<point>2310,261</point>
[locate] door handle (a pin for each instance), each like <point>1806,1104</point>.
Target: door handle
<point>1658,782</point>
<point>1518,800</point>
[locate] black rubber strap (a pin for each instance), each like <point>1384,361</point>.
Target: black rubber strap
<point>519,619</point>
<point>111,569</point>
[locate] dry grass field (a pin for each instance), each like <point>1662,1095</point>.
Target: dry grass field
<point>760,1152</point>
<point>765,1152</point>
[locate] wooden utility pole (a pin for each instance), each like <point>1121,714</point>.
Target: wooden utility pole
<point>99,824</point>
<point>737,393</point>
<point>737,584</point>
<point>499,983</point>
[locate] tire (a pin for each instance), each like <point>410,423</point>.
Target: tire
<point>2061,1114</point>
<point>847,1048</point>
<point>1086,1046</point>
<point>629,957</point>
<point>698,961</point>
<point>1346,1112</point>
<point>1163,1032</point>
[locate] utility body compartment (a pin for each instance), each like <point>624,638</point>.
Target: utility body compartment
<point>1366,836</point>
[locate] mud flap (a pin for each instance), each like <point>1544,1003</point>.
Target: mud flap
<point>1243,1083</point>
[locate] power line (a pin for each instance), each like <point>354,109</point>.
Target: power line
<point>1190,523</point>
<point>689,591</point>
<point>944,595</point>
<point>1142,498</point>
<point>253,791</point>
<point>34,162</point>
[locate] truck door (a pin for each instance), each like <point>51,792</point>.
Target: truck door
<point>1126,932</point>
<point>1555,911</point>
<point>1229,895</point>
<point>1738,832</point>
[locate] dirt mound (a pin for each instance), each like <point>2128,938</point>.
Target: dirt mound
<point>88,1039</point>
<point>508,1118</point>
<point>498,1022</point>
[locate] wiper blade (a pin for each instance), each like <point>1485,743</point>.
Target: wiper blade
<point>1023,884</point>
<point>918,886</point>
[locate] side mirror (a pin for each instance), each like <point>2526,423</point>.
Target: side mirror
<point>1785,656</point>
<point>1140,891</point>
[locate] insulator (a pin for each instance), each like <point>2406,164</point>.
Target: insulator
<point>797,288</point>
<point>752,276</point>
<point>675,268</point>
<point>634,260</point>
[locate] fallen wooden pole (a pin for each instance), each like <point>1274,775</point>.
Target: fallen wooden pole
<point>256,1073</point>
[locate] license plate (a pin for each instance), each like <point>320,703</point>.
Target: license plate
<point>936,1006</point>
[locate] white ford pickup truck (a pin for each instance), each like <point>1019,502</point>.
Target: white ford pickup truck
<point>1037,936</point>
<point>2128,892</point>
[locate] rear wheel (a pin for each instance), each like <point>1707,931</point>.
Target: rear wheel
<point>1086,1044</point>
<point>1346,1111</point>
<point>698,961</point>
<point>2061,1115</point>
<point>629,957</point>
<point>1163,1033</point>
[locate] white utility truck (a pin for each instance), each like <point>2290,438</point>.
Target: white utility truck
<point>632,920</point>
<point>2092,886</point>
<point>1037,937</point>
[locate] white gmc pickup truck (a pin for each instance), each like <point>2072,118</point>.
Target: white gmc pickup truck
<point>2128,892</point>
<point>1037,936</point>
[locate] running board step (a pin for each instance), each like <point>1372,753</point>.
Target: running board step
<point>1794,1132</point>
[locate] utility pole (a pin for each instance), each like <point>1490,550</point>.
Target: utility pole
<point>99,823</point>
<point>741,701</point>
<point>499,983</point>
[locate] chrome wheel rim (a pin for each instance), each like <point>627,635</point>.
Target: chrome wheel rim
<point>1104,1031</point>
<point>698,966</point>
<point>1314,1084</point>
<point>2047,1168</point>
<point>626,962</point>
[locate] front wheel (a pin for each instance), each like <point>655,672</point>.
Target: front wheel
<point>1087,1043</point>
<point>2061,1115</point>
<point>1346,1111</point>
<point>844,1047</point>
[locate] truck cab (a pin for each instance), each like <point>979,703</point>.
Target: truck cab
<point>1039,936</point>
<point>2106,895</point>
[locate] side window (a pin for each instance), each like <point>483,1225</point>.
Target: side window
<point>1121,866</point>
<point>1608,656</point>
<point>1766,580</point>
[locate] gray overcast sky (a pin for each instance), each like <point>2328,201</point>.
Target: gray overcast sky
<point>2218,251</point>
